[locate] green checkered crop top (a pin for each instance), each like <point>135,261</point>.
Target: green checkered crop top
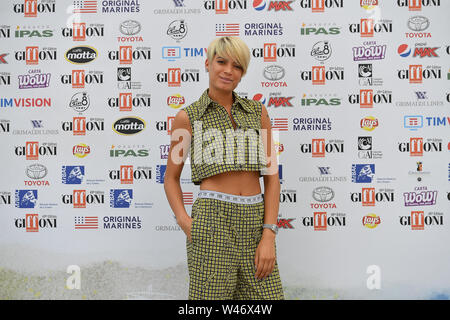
<point>216,147</point>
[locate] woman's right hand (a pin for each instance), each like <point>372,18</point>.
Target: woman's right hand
<point>186,225</point>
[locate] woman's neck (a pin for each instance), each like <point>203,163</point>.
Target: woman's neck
<point>223,98</point>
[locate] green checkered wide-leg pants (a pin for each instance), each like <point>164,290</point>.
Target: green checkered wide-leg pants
<point>221,256</point>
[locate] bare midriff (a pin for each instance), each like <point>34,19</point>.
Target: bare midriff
<point>242,183</point>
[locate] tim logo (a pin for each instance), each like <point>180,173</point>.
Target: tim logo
<point>160,172</point>
<point>26,199</point>
<point>318,75</point>
<point>121,198</point>
<point>318,148</point>
<point>363,173</point>
<point>72,174</point>
<point>174,77</point>
<point>416,147</point>
<point>270,52</point>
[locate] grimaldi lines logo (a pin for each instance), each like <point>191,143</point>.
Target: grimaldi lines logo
<point>33,223</point>
<point>31,8</point>
<point>418,220</point>
<point>319,6</point>
<point>369,197</point>
<point>32,55</point>
<point>127,174</point>
<point>324,221</point>
<point>272,51</point>
<point>32,150</point>
<point>417,146</point>
<point>79,126</point>
<point>80,31</point>
<point>318,148</point>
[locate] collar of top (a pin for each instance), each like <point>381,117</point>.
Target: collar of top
<point>205,101</point>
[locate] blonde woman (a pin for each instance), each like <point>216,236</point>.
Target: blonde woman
<point>230,243</point>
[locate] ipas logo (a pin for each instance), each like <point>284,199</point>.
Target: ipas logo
<point>33,223</point>
<point>127,174</point>
<point>318,29</point>
<point>33,31</point>
<point>124,151</point>
<point>417,220</point>
<point>320,100</point>
<point>318,148</point>
<point>81,198</point>
<point>80,31</point>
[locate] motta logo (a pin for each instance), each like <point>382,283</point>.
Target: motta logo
<point>127,174</point>
<point>79,78</point>
<point>79,125</point>
<point>320,100</point>
<point>174,77</point>
<point>79,31</point>
<point>369,123</point>
<point>81,54</point>
<point>128,125</point>
<point>368,27</point>
<point>417,220</point>
<point>32,55</point>
<point>366,98</point>
<point>416,73</point>
<point>30,8</point>
<point>318,147</point>
<point>312,29</point>
<point>80,198</point>
<point>32,150</point>
<point>321,221</point>
<point>416,146</point>
<point>223,6</point>
<point>275,6</point>
<point>320,5</point>
<point>416,5</point>
<point>126,101</point>
<point>126,54</point>
<point>81,150</point>
<point>33,223</point>
<point>318,75</point>
<point>371,221</point>
<point>368,197</point>
<point>270,52</point>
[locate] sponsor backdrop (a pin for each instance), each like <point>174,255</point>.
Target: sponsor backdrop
<point>358,94</point>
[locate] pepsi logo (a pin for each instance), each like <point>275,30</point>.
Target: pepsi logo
<point>403,50</point>
<point>259,5</point>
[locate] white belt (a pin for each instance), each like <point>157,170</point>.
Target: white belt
<point>230,197</point>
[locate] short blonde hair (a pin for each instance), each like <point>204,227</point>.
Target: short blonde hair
<point>233,47</point>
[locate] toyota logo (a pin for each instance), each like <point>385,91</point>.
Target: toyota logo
<point>273,72</point>
<point>418,23</point>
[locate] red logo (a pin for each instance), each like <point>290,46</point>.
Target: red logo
<point>32,55</point>
<point>368,197</point>
<point>367,28</point>
<point>320,221</point>
<point>416,147</point>
<point>79,198</point>
<point>30,8</point>
<point>318,148</point>
<point>125,55</point>
<point>32,222</point>
<point>366,98</point>
<point>270,52</point>
<point>126,174</point>
<point>415,73</point>
<point>125,101</point>
<point>78,79</point>
<point>32,150</point>
<point>174,77</point>
<point>417,220</point>
<point>79,31</point>
<point>318,75</point>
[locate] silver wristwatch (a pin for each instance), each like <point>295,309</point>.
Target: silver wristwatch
<point>272,227</point>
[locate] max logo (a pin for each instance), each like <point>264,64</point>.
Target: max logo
<point>285,223</point>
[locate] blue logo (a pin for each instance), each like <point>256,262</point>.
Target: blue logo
<point>160,173</point>
<point>280,173</point>
<point>363,173</point>
<point>413,122</point>
<point>120,198</point>
<point>26,198</point>
<point>72,174</point>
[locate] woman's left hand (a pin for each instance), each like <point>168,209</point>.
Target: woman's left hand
<point>265,258</point>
